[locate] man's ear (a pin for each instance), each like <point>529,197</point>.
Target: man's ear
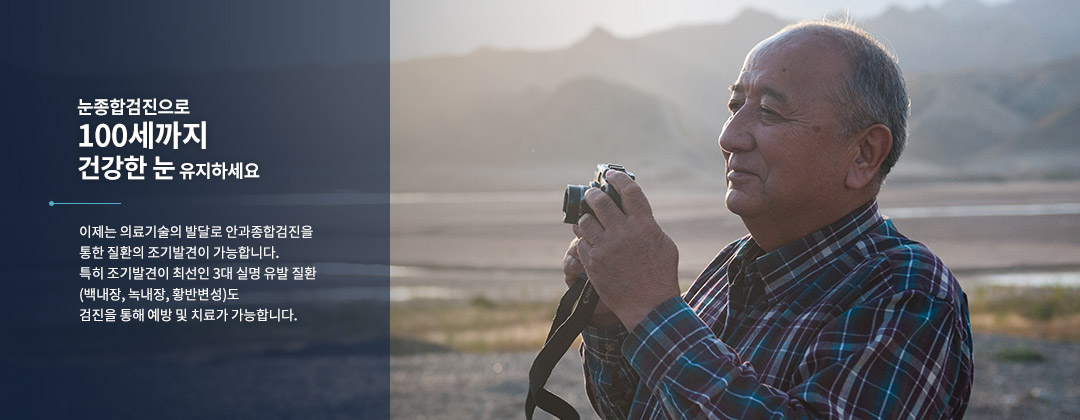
<point>872,145</point>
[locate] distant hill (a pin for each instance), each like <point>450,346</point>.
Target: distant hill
<point>1021,123</point>
<point>964,35</point>
<point>547,139</point>
<point>984,82</point>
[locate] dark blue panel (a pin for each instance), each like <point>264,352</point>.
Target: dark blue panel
<point>301,89</point>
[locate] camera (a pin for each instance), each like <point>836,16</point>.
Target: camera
<point>574,205</point>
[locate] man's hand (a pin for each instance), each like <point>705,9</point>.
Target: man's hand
<point>631,262</point>
<point>574,273</point>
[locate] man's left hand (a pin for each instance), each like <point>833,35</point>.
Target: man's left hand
<point>631,262</point>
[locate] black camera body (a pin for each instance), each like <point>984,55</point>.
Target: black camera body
<point>574,205</point>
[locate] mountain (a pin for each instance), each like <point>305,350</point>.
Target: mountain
<point>952,116</point>
<point>547,139</point>
<point>928,41</point>
<point>983,81</point>
<point>1000,123</point>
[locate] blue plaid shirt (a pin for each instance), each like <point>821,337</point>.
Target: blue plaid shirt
<point>852,321</point>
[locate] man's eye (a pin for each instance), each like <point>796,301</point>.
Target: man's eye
<point>734,106</point>
<point>767,112</point>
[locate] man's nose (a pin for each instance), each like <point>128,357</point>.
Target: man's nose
<point>735,137</point>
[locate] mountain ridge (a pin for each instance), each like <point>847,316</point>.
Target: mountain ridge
<point>973,98</point>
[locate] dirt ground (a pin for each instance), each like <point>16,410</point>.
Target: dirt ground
<point>492,386</point>
<point>510,245</point>
<point>450,239</point>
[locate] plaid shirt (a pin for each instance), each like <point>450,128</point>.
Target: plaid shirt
<point>852,321</point>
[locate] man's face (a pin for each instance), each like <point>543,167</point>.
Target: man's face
<point>781,144</point>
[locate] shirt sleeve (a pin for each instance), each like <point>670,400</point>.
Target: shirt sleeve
<point>896,357</point>
<point>610,381</point>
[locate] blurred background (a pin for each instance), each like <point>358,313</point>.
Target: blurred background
<point>496,106</point>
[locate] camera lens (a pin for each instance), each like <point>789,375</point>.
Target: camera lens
<point>573,200</point>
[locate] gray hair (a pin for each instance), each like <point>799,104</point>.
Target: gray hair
<point>875,92</point>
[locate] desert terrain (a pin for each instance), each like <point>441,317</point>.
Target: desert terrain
<point>490,261</point>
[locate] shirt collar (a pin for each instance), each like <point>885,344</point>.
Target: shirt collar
<point>782,268</point>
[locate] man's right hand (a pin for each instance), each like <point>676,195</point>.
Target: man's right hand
<point>574,272</point>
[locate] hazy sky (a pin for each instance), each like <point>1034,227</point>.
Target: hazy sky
<point>436,27</point>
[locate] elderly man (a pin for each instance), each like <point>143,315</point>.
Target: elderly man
<point>824,310</point>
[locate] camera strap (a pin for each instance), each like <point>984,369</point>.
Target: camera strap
<point>568,323</point>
